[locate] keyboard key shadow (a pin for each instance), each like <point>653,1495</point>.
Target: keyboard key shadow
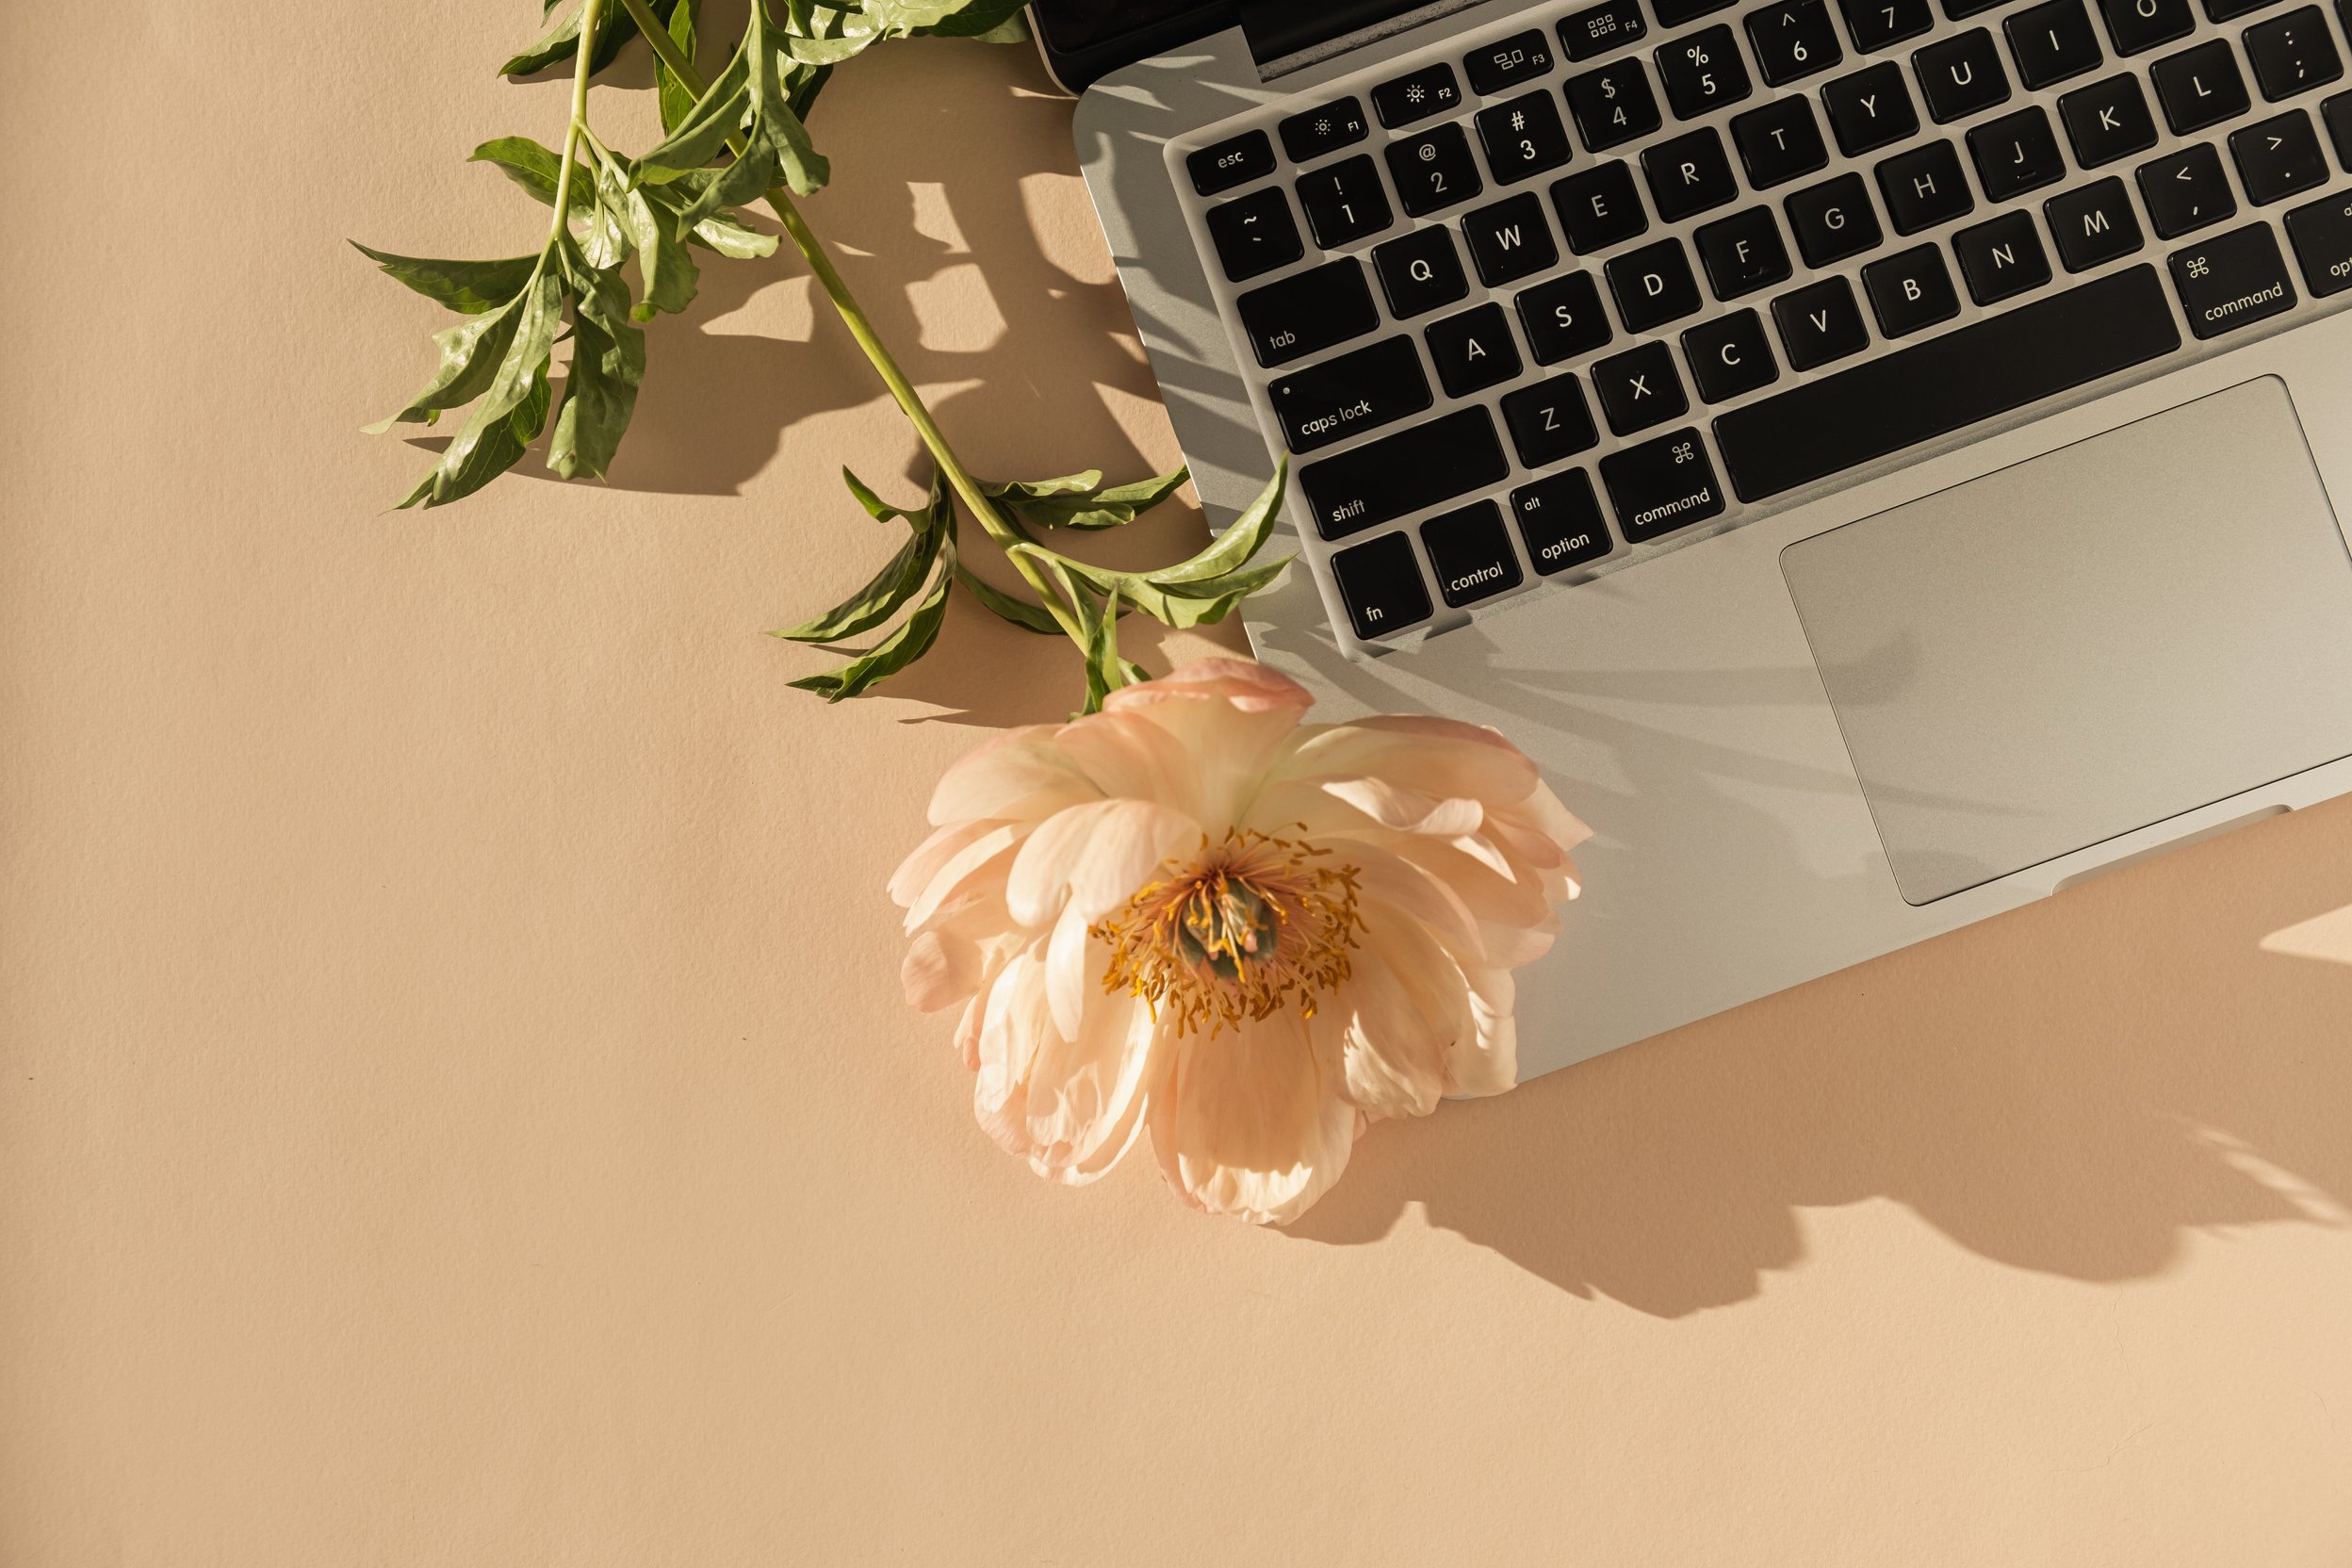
<point>2074,1088</point>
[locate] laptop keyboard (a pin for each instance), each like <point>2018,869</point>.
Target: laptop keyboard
<point>1575,290</point>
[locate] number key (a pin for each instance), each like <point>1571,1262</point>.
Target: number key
<point>1703,72</point>
<point>1255,234</point>
<point>1795,38</point>
<point>1433,170</point>
<point>1612,104</point>
<point>1876,24</point>
<point>1522,138</point>
<point>1344,201</point>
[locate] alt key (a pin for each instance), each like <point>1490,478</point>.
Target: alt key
<point>1559,517</point>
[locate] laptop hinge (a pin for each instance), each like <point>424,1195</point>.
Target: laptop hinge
<point>1285,35</point>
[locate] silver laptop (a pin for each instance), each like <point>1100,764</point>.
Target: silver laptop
<point>1882,458</point>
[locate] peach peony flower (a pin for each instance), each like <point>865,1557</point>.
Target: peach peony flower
<point>1192,913</point>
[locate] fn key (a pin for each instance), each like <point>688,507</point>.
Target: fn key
<point>1381,583</point>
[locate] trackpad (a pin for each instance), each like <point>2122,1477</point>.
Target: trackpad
<point>2099,639</point>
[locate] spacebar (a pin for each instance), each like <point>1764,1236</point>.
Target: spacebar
<point>1938,386</point>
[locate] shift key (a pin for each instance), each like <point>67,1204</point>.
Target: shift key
<point>1403,473</point>
<point>1348,396</point>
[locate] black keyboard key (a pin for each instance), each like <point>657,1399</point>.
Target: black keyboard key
<point>1653,286</point>
<point>1509,240</point>
<point>1309,136</point>
<point>1869,109</point>
<point>1255,234</point>
<point>1308,313</point>
<point>1344,201</point>
<point>1599,208</point>
<point>1779,142</point>
<point>1420,271</point>
<point>2016,153</point>
<point>1345,397</point>
<point>1662,485</point>
<point>1924,186</point>
<point>1674,14</point>
<point>1522,138</point>
<point>1549,421</point>
<point>1473,350</point>
<point>1381,584</point>
<point>2002,258</point>
<point>2051,42</point>
<point>1562,318</point>
<point>1521,58</point>
<point>1687,173</point>
<point>1236,161</point>
<point>2199,87</point>
<point>1743,253</point>
<point>2232,280</point>
<point>1910,290</point>
<point>1833,220</point>
<point>1945,383</point>
<point>1702,73</point>
<point>2186,191</point>
<point>2322,234</point>
<point>2093,225</point>
<point>2139,26</point>
<point>1597,29</point>
<point>1417,96</point>
<point>1729,356</point>
<point>1877,23</point>
<point>1470,554</point>
<point>1639,388</point>
<point>1434,170</point>
<point>2293,52</point>
<point>2107,121</point>
<point>1819,323</point>
<point>1560,521</point>
<point>1960,76</point>
<point>1792,39</point>
<point>2337,111</point>
<point>1613,105</point>
<point>2278,159</point>
<point>1415,468</point>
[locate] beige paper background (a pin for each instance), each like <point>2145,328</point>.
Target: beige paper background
<point>456,1107</point>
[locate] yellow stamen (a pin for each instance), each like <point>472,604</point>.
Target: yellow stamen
<point>1246,928</point>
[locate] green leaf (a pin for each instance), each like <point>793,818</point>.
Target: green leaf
<point>775,148</point>
<point>675,99</point>
<point>898,579</point>
<point>698,137</point>
<point>669,269</point>
<point>472,287</point>
<point>614,29</point>
<point>608,366</point>
<point>1238,544</point>
<point>1027,617</point>
<point>471,352</point>
<point>990,21</point>
<point>1081,500</point>
<point>909,642</point>
<point>513,409</point>
<point>535,169</point>
<point>724,231</point>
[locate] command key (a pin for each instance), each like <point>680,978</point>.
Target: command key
<point>1662,485</point>
<point>2323,243</point>
<point>2232,280</point>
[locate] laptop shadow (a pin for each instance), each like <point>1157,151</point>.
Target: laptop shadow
<point>2071,1088</point>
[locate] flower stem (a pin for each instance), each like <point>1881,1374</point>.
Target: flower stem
<point>1069,617</point>
<point>589,13</point>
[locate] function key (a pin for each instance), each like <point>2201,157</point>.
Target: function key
<point>2293,52</point>
<point>1612,104</point>
<point>1597,29</point>
<point>1325,130</point>
<point>2199,87</point>
<point>1470,554</point>
<point>1433,170</point>
<point>1519,58</point>
<point>2052,43</point>
<point>2278,159</point>
<point>2232,281</point>
<point>2093,225</point>
<point>1961,75</point>
<point>1794,38</point>
<point>2139,26</point>
<point>1662,485</point>
<point>1428,90</point>
<point>1703,72</point>
<point>1245,157</point>
<point>1308,312</point>
<point>1674,14</point>
<point>1255,234</point>
<point>2323,243</point>
<point>1559,517</point>
<point>1381,584</point>
<point>1876,24</point>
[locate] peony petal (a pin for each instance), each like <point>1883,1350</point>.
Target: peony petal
<point>1083,1085</point>
<point>1230,716</point>
<point>1251,1122</point>
<point>938,970</point>
<point>982,863</point>
<point>1130,757</point>
<point>1013,1023</point>
<point>1408,810</point>
<point>1020,773</point>
<point>1096,855</point>
<point>1486,1059</point>
<point>1399,1013</point>
<point>1444,758</point>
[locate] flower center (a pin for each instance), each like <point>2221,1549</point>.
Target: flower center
<point>1250,925</point>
